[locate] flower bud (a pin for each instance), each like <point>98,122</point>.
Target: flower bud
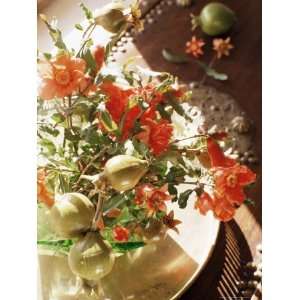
<point>124,171</point>
<point>72,214</point>
<point>90,258</point>
<point>111,17</point>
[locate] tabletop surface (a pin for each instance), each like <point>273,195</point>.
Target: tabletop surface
<point>237,239</point>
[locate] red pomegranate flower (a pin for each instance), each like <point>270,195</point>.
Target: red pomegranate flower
<point>156,135</point>
<point>118,100</point>
<point>61,77</point>
<point>129,121</point>
<point>121,234</point>
<point>98,54</point>
<point>216,155</point>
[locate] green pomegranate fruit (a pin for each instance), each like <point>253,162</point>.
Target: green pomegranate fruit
<point>90,258</point>
<point>214,19</point>
<point>124,171</point>
<point>72,214</point>
<point>111,17</point>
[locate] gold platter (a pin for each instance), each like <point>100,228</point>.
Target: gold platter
<point>163,269</point>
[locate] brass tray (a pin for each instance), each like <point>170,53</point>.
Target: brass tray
<point>163,269</point>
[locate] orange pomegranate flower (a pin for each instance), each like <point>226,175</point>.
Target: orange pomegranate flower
<point>228,193</point>
<point>61,77</point>
<point>194,47</point>
<point>121,234</point>
<point>216,155</point>
<point>153,197</point>
<point>43,195</point>
<point>222,47</point>
<point>230,182</point>
<point>222,209</point>
<point>156,202</point>
<point>156,135</point>
<point>142,193</point>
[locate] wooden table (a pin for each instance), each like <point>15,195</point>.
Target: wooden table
<point>238,239</point>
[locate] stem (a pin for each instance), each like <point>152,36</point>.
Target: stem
<point>92,26</point>
<point>99,209</point>
<point>213,60</point>
<point>187,138</point>
<point>70,113</point>
<point>89,165</point>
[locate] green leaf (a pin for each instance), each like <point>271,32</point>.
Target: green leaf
<point>140,147</point>
<point>174,173</point>
<point>183,198</point>
<point>64,184</point>
<point>47,56</point>
<point>55,34</point>
<point>125,216</point>
<point>159,168</point>
<point>52,131</point>
<point>172,189</point>
<point>114,201</point>
<point>211,72</point>
<point>91,135</point>
<point>108,122</point>
<point>73,134</point>
<point>87,12</point>
<point>181,59</point>
<point>169,56</point>
<point>249,202</point>
<point>48,145</point>
<point>89,59</point>
<point>58,118</point>
<point>176,106</point>
<point>57,245</point>
<point>79,27</point>
<point>124,247</point>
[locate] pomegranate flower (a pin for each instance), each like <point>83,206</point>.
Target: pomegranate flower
<point>170,222</point>
<point>154,198</point>
<point>156,134</point>
<point>228,192</point>
<point>194,47</point>
<point>99,53</point>
<point>142,193</point>
<point>222,47</point>
<point>121,234</point>
<point>221,207</point>
<point>230,182</point>
<point>118,100</point>
<point>216,155</point>
<point>61,76</point>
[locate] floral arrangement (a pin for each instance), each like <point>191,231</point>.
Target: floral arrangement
<point>113,151</point>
